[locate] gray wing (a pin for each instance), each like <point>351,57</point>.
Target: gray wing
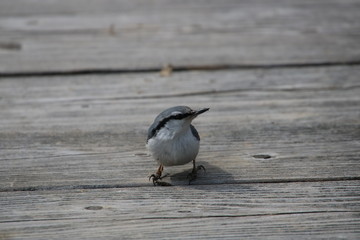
<point>151,131</point>
<point>195,132</point>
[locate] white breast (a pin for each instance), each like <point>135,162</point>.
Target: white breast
<point>169,149</point>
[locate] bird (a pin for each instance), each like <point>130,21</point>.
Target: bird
<point>172,140</point>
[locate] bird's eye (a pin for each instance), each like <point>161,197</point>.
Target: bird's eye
<point>179,116</point>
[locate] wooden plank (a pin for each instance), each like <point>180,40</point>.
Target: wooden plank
<point>267,211</point>
<point>76,35</point>
<point>89,131</point>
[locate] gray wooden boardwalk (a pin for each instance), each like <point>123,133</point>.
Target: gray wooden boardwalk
<point>80,84</point>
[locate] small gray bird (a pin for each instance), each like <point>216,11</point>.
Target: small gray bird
<point>173,140</point>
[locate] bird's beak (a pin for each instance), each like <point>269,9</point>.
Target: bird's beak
<point>198,112</point>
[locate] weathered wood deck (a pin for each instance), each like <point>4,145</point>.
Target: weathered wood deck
<point>80,84</point>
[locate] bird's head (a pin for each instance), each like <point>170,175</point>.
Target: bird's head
<point>175,120</point>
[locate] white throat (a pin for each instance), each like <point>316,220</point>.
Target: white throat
<point>174,129</point>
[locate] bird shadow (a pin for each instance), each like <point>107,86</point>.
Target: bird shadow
<point>210,176</point>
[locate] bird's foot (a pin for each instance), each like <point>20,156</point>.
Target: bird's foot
<point>155,179</point>
<point>193,175</point>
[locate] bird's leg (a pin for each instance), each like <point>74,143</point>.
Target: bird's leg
<point>192,176</point>
<point>157,176</point>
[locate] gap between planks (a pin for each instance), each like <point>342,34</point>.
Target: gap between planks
<point>179,69</point>
<point>107,186</point>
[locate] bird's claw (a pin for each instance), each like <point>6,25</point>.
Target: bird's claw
<point>155,179</point>
<point>193,175</point>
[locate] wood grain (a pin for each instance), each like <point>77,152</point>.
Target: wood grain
<point>275,211</point>
<point>80,83</point>
<point>64,132</point>
<point>63,36</point>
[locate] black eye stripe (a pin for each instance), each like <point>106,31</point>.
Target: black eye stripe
<point>165,120</point>
<point>179,116</point>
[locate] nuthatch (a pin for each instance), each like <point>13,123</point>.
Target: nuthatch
<point>173,140</point>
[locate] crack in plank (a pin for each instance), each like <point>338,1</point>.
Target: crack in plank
<point>192,217</point>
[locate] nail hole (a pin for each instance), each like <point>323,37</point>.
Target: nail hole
<point>94,208</point>
<point>10,45</point>
<point>262,156</point>
<point>142,154</point>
